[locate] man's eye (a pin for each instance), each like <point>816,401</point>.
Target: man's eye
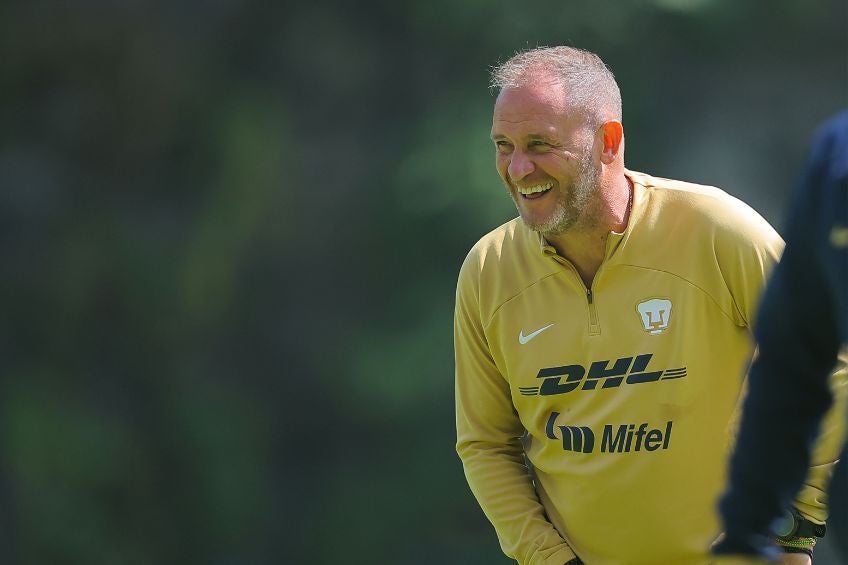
<point>503,146</point>
<point>539,144</point>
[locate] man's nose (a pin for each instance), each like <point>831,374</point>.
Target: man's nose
<point>520,165</point>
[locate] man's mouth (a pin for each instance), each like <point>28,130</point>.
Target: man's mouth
<point>535,191</point>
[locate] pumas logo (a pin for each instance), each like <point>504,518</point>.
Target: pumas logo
<point>621,438</point>
<point>654,314</point>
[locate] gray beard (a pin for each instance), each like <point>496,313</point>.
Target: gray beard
<point>577,207</point>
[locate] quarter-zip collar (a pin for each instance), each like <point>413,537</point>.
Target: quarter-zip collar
<point>638,200</point>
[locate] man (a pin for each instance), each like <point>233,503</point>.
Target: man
<point>801,325</point>
<point>598,335</point>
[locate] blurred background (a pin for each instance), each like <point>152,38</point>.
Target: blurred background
<point>230,233</point>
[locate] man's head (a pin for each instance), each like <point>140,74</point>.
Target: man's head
<point>556,126</point>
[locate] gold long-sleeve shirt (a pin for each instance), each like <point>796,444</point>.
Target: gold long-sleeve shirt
<point>623,397</point>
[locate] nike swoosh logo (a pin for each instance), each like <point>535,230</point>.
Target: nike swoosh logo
<point>522,339</point>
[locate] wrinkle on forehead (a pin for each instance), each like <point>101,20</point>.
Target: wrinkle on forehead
<point>537,109</point>
<point>544,98</point>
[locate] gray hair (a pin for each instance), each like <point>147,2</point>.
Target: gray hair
<point>588,82</point>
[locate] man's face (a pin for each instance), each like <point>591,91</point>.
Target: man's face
<point>544,156</point>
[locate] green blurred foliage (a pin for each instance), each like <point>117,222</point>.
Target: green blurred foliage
<point>231,231</point>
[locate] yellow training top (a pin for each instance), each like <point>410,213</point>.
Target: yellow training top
<point>625,394</point>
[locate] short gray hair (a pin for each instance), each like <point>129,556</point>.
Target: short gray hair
<point>589,83</point>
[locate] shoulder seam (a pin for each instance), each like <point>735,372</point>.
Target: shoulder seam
<point>513,297</point>
<point>689,282</point>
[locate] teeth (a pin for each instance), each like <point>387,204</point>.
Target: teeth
<point>535,189</point>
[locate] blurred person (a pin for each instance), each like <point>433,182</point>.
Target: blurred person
<point>801,326</point>
<point>600,335</point>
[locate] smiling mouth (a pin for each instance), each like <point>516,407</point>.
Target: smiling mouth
<point>535,191</point>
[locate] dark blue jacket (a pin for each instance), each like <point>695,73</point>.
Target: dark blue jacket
<point>802,322</point>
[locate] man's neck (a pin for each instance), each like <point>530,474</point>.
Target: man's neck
<point>585,245</point>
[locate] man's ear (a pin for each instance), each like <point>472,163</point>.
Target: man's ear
<point>612,135</point>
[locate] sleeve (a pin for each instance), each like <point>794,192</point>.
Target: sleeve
<point>781,444</point>
<point>747,249</point>
<point>489,439</point>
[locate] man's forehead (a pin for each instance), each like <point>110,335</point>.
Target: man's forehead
<point>543,108</point>
<point>536,100</point>
<point>529,129</point>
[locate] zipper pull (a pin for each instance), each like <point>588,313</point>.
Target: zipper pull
<point>589,295</point>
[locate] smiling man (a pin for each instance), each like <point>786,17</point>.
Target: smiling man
<point>600,335</point>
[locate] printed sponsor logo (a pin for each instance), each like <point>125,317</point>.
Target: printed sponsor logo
<point>577,438</point>
<point>615,438</point>
<point>626,370</point>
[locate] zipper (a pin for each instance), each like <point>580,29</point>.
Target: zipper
<point>594,324</point>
